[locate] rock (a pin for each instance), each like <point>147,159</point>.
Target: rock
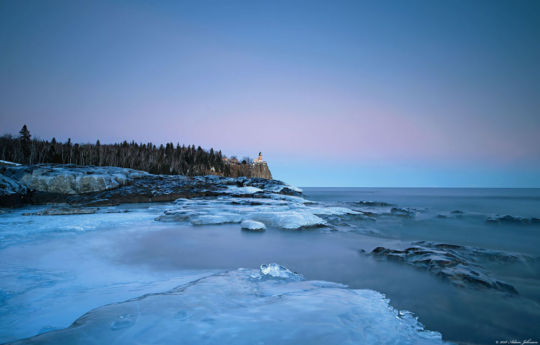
<point>513,220</point>
<point>72,179</point>
<point>403,212</point>
<point>372,203</point>
<point>252,225</point>
<point>253,170</point>
<point>260,170</point>
<point>101,186</point>
<point>458,264</point>
<point>12,193</point>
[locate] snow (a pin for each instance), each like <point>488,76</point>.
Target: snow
<point>9,163</point>
<point>267,306</point>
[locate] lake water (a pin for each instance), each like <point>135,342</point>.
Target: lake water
<point>54,269</point>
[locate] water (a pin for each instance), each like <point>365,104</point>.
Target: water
<point>54,269</point>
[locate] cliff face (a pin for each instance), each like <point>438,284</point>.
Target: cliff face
<point>260,170</point>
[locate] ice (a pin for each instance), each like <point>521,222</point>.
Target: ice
<point>235,190</point>
<point>279,188</point>
<point>222,218</point>
<point>289,220</point>
<point>235,308</point>
<point>26,224</point>
<point>272,210</point>
<point>53,269</point>
<point>274,270</point>
<point>252,225</point>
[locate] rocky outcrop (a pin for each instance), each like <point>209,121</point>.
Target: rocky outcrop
<point>261,170</point>
<point>257,170</point>
<point>513,220</point>
<point>12,192</point>
<point>458,264</point>
<point>71,179</point>
<point>100,186</point>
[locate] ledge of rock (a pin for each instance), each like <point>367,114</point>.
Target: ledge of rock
<point>100,186</point>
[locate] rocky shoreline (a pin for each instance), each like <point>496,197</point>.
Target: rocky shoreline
<point>100,186</point>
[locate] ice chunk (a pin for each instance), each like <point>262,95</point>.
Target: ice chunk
<point>277,271</point>
<point>234,308</point>
<point>253,225</point>
<point>297,220</point>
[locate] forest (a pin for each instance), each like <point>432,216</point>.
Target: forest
<point>162,159</point>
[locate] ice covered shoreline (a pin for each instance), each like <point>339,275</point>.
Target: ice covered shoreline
<point>271,305</point>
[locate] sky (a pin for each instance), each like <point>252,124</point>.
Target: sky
<point>334,93</point>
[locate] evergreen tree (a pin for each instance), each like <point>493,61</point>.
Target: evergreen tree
<point>25,144</point>
<point>164,159</point>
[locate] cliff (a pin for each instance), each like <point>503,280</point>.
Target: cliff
<point>259,170</point>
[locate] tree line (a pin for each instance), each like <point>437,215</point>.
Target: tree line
<point>162,159</point>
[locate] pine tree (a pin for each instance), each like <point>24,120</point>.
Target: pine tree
<point>25,144</point>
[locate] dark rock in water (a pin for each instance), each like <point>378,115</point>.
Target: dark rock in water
<point>372,203</point>
<point>403,212</point>
<point>455,263</point>
<point>451,214</point>
<point>513,220</point>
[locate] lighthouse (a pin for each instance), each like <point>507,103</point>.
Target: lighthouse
<point>259,159</point>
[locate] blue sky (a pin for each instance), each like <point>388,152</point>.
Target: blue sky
<point>334,93</point>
